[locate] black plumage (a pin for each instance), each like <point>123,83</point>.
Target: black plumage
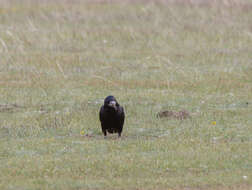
<point>111,116</point>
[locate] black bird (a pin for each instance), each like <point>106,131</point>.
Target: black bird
<point>111,116</point>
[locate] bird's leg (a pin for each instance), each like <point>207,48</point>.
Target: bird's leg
<point>104,132</point>
<point>119,135</point>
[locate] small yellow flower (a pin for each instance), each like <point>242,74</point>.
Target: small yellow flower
<point>82,132</point>
<point>213,122</point>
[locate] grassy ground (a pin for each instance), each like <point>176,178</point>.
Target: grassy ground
<point>60,59</point>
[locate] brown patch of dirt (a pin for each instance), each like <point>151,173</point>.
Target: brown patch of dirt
<point>181,115</point>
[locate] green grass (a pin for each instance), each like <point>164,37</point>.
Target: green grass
<point>60,59</point>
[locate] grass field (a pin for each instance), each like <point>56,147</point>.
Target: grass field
<point>60,59</point>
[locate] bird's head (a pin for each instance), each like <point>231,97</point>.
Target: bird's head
<point>111,102</point>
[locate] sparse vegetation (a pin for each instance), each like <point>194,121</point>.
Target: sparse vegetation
<point>59,59</point>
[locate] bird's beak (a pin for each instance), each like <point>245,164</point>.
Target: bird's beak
<point>113,104</point>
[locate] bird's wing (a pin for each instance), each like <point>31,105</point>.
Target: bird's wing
<point>102,114</point>
<point>121,115</point>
